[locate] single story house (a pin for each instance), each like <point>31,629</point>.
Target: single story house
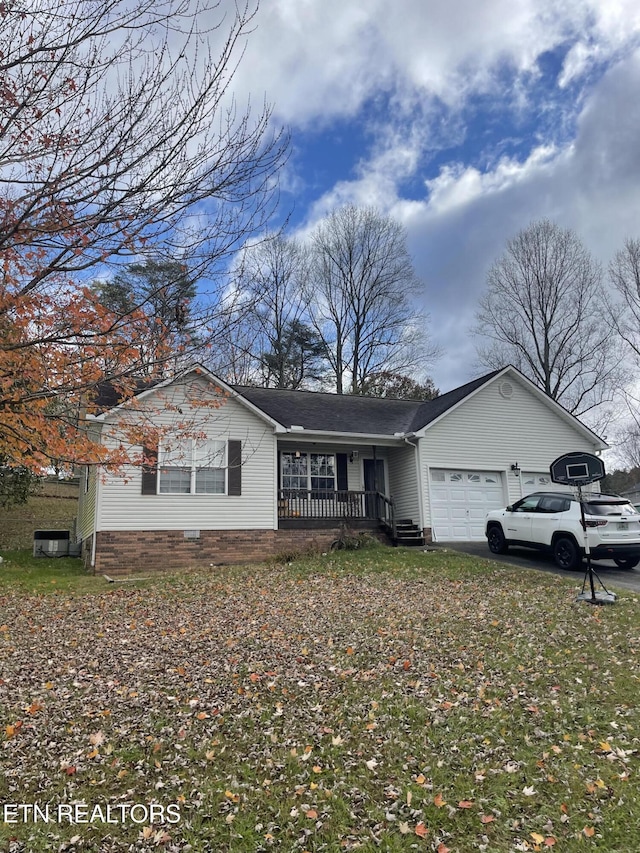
<point>268,472</point>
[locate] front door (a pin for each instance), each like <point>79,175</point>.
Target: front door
<point>373,482</point>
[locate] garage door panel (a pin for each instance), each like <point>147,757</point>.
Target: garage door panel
<point>439,493</point>
<point>477,513</point>
<point>458,513</point>
<point>460,501</point>
<point>440,513</point>
<point>539,481</point>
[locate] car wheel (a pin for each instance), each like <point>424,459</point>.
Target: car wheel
<point>629,563</point>
<point>566,554</point>
<point>496,541</point>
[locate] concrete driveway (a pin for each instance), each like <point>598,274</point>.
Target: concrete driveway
<point>609,573</point>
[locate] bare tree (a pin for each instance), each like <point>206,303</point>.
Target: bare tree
<point>624,274</point>
<point>272,283</point>
<point>231,354</point>
<point>543,312</point>
<point>624,316</point>
<point>359,292</point>
<point>627,444</point>
<point>388,384</point>
<point>119,139</point>
<point>117,121</point>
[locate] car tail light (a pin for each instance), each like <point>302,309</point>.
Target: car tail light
<point>596,522</point>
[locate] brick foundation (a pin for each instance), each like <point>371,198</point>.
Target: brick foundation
<point>125,552</point>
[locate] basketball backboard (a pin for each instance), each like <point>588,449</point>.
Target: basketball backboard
<point>577,469</point>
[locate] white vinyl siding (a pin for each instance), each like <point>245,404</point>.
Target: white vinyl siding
<point>488,432</point>
<point>87,494</point>
<point>124,507</point>
<point>87,502</point>
<point>403,483</point>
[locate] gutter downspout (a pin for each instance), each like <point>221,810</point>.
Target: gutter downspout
<point>419,476</point>
<point>276,491</point>
<point>95,522</point>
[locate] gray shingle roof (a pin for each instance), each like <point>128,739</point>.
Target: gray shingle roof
<point>342,413</point>
<point>326,412</point>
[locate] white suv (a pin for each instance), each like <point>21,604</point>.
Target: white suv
<point>551,521</point>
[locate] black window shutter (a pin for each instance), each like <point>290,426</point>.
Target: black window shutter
<point>341,472</point>
<point>234,462</point>
<point>150,471</point>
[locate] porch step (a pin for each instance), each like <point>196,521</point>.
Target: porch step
<point>408,534</point>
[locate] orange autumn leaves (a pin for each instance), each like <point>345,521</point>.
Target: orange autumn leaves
<point>56,344</point>
<point>423,830</point>
<point>12,729</point>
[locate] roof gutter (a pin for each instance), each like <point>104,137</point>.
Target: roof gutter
<point>343,436</point>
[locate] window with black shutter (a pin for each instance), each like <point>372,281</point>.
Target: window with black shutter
<point>234,476</point>
<point>150,470</point>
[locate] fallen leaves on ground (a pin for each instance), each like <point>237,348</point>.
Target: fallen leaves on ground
<point>326,709</point>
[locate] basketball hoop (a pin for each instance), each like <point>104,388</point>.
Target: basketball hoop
<point>578,470</point>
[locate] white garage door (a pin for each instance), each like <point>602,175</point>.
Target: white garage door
<point>460,501</point>
<point>539,481</point>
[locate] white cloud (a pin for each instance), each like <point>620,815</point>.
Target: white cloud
<point>592,186</point>
<point>577,61</point>
<point>320,59</point>
<point>458,186</point>
<point>461,225</point>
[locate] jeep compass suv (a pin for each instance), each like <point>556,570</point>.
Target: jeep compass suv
<point>550,521</point>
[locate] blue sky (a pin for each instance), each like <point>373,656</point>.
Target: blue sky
<point>464,120</point>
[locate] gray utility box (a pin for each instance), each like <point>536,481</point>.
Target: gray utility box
<point>51,543</point>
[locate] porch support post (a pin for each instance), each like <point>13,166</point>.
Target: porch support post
<point>375,481</point>
<point>375,468</point>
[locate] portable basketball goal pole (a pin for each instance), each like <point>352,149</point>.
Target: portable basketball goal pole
<point>578,470</point>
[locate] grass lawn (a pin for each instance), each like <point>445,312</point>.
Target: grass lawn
<point>374,700</point>
<point>42,511</point>
<point>20,573</point>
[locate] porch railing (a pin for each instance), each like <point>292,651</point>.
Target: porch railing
<point>387,514</point>
<point>341,505</point>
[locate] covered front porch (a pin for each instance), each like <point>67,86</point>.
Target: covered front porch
<point>327,485</point>
<point>319,480</point>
